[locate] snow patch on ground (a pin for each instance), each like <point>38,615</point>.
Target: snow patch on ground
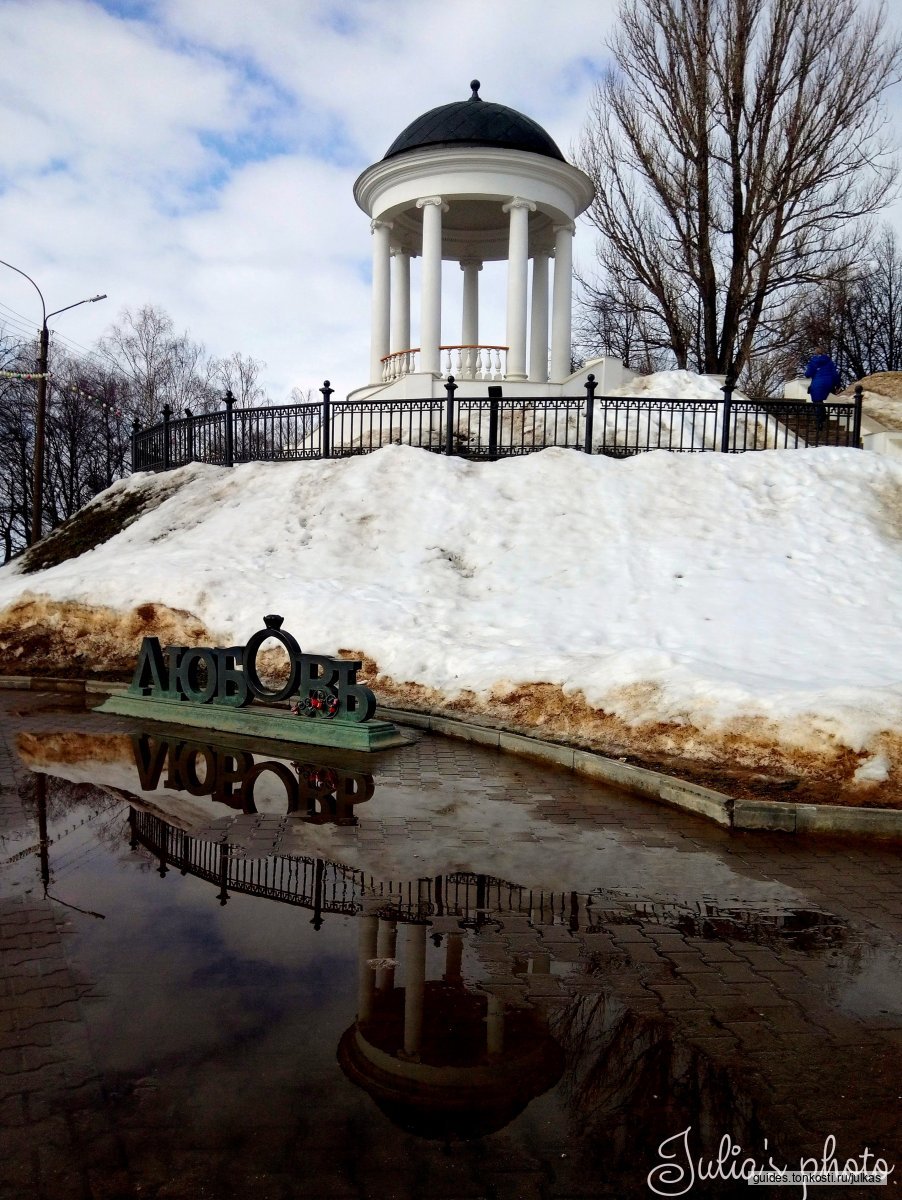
<point>873,770</point>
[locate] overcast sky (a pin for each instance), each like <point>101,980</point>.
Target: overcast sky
<point>200,155</point>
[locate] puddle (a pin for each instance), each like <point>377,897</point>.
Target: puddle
<point>283,996</point>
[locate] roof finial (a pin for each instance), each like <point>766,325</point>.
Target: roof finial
<point>474,84</point>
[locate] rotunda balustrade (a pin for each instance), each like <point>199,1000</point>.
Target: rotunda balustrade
<point>484,363</point>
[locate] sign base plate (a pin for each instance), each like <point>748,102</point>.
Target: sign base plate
<point>259,721</point>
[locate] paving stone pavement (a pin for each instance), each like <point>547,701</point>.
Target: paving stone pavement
<point>56,1139</point>
<point>783,1018</point>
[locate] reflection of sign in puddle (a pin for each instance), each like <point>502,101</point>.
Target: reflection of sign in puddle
<point>320,794</point>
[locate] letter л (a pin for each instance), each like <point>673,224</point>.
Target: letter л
<point>150,672</point>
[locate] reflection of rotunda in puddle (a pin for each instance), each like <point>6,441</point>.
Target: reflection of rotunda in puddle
<point>438,1057</point>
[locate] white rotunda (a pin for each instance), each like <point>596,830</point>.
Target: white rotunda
<point>468,183</point>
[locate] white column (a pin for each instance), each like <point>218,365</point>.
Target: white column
<point>454,952</point>
<point>562,302</point>
<point>400,303</point>
<point>414,988</point>
<point>379,342</point>
<point>385,949</point>
<point>538,319</point>
<point>431,286</point>
<point>469,326</point>
<point>517,277</point>
<point>366,976</point>
<point>494,1022</point>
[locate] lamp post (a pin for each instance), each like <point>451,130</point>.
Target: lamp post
<point>37,483</point>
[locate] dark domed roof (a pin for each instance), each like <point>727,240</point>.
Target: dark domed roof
<point>475,122</point>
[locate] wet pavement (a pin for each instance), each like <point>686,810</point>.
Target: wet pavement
<point>437,972</point>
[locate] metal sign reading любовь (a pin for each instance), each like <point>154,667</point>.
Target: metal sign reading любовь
<point>324,687</point>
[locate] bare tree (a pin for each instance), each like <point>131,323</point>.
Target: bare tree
<point>613,318</point>
<point>736,148</point>
<point>301,395</point>
<point>240,375</point>
<point>16,444</point>
<point>88,434</point>
<point>159,366</point>
<point>139,366</point>
<point>858,317</point>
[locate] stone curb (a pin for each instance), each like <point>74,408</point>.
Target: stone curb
<point>769,815</point>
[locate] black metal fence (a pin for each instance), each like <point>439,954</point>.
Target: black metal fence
<point>492,427</point>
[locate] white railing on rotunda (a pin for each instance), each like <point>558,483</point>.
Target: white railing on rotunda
<point>475,362</point>
<point>402,362</point>
<point>463,362</point>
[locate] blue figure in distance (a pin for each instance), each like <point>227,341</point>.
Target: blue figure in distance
<point>824,376</point>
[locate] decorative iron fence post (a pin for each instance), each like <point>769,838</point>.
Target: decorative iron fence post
<point>856,420</point>
<point>494,397</point>
<point>167,458</point>
<point>450,389</point>
<point>590,386</point>
<point>189,434</point>
<point>326,419</point>
<point>136,429</point>
<point>229,400</point>
<point>728,384</point>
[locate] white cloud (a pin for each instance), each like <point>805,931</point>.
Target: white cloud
<point>380,65</point>
<point>202,158</point>
<point>108,95</point>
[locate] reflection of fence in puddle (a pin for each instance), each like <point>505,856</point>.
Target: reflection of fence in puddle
<point>313,883</point>
<point>472,898</point>
<point>476,898</point>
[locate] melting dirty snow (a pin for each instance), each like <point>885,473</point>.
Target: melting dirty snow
<point>744,608</point>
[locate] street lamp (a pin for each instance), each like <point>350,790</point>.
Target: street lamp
<point>37,483</point>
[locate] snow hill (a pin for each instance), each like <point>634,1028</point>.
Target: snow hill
<point>731,609</point>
